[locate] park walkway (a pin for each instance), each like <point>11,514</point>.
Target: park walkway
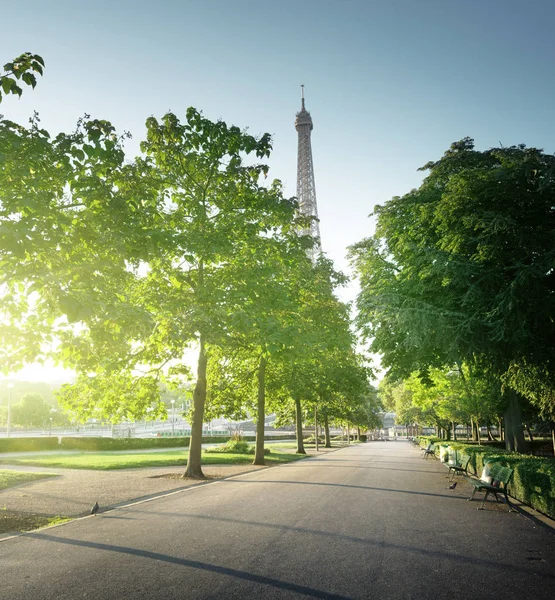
<point>372,520</point>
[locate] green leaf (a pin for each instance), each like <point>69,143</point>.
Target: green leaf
<point>7,84</point>
<point>29,79</point>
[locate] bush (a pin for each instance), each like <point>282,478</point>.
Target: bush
<point>106,444</point>
<point>237,446</point>
<point>311,439</point>
<point>29,444</point>
<point>234,445</point>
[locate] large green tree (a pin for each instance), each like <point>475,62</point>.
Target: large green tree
<point>214,210</point>
<point>461,269</point>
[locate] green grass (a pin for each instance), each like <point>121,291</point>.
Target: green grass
<point>12,522</point>
<point>10,478</point>
<point>104,461</point>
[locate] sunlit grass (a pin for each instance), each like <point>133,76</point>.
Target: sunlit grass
<point>10,478</point>
<point>12,522</point>
<point>112,460</point>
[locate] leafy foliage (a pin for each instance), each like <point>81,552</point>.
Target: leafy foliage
<point>22,69</point>
<point>461,269</point>
<point>31,411</point>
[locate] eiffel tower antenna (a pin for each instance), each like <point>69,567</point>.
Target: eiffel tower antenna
<point>306,189</point>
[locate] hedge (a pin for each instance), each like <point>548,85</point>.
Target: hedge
<point>107,443</point>
<point>533,481</point>
<point>93,444</point>
<point>28,444</point>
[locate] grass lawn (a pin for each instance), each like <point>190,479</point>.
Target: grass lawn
<point>111,460</point>
<point>10,478</point>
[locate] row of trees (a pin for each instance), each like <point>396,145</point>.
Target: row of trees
<point>32,410</point>
<point>117,268</point>
<point>458,285</point>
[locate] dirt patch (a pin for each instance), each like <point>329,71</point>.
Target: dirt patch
<point>13,522</point>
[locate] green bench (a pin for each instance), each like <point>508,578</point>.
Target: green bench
<point>457,465</point>
<point>494,480</point>
<point>429,451</point>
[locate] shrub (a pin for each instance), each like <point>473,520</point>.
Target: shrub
<point>29,444</point>
<point>234,445</point>
<point>105,443</point>
<point>237,446</point>
<point>311,439</point>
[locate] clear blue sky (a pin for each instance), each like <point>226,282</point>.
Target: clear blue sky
<point>390,84</point>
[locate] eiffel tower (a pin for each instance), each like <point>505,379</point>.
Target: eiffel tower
<point>306,189</point>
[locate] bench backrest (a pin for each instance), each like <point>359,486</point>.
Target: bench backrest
<point>463,460</point>
<point>498,473</point>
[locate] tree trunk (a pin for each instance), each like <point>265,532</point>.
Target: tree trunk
<point>553,438</point>
<point>358,434</point>
<point>529,432</point>
<point>194,469</point>
<point>454,431</point>
<point>316,427</point>
<point>326,429</point>
<point>348,434</point>
<point>261,409</point>
<point>514,434</point>
<point>299,426</point>
<point>478,433</point>
<point>490,434</point>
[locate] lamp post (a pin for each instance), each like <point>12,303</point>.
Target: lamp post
<point>173,417</point>
<point>10,386</point>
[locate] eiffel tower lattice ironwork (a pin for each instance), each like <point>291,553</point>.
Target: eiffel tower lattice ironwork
<point>306,189</point>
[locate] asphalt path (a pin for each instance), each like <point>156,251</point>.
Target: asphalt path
<point>372,520</point>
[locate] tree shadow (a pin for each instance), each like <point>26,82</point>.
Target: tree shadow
<point>344,485</point>
<point>194,564</point>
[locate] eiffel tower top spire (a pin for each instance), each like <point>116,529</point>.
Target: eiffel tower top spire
<point>306,188</point>
<point>303,117</point>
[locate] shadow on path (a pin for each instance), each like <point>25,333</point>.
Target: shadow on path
<point>344,485</point>
<point>194,564</point>
<point>377,468</point>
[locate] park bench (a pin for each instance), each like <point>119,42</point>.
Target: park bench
<point>457,465</point>
<point>494,480</point>
<point>429,451</point>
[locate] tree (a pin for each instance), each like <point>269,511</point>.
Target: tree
<point>64,238</point>
<point>264,307</point>
<point>322,367</point>
<point>128,264</point>
<point>21,69</point>
<point>212,210</point>
<point>461,269</point>
<point>31,411</point>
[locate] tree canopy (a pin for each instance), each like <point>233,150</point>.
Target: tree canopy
<point>461,269</point>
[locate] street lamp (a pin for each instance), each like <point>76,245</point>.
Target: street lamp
<point>173,417</point>
<point>10,386</point>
